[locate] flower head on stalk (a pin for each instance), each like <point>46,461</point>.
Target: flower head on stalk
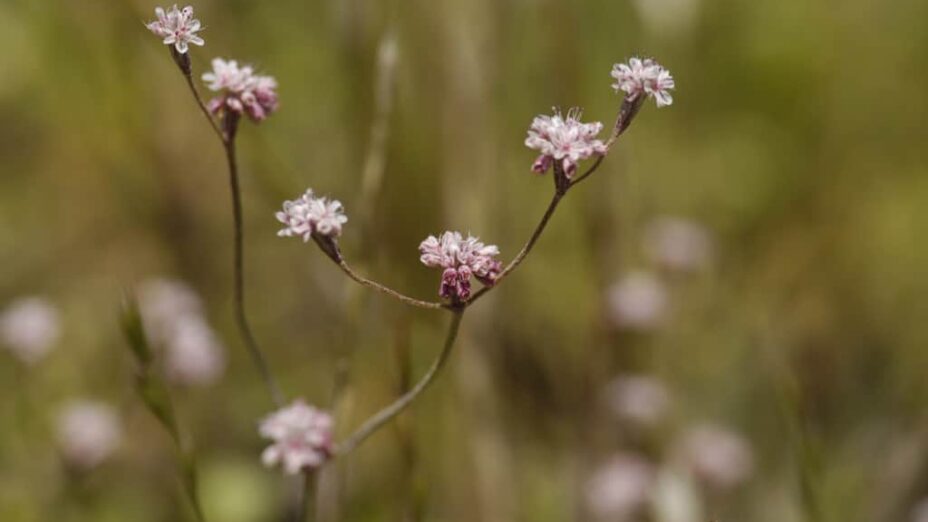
<point>308,215</point>
<point>301,435</point>
<point>88,432</point>
<point>563,139</point>
<point>177,27</point>
<point>460,258</point>
<point>241,90</point>
<point>644,77</point>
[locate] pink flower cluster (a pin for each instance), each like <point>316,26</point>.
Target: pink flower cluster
<point>308,215</point>
<point>566,140</point>
<point>643,77</point>
<point>460,258</point>
<point>177,27</point>
<point>301,435</point>
<point>242,91</point>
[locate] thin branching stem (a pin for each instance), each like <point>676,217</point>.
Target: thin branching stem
<point>307,503</point>
<point>241,319</point>
<point>555,200</point>
<point>196,96</point>
<point>387,414</point>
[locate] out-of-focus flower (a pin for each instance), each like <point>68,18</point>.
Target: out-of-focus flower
<point>620,488</point>
<point>643,78</point>
<point>88,432</point>
<point>673,18</point>
<point>174,321</point>
<point>177,27</point>
<point>676,497</point>
<point>460,258</point>
<point>678,244</point>
<point>638,400</point>
<point>566,140</point>
<point>29,328</point>
<point>241,90</point>
<point>308,215</point>
<point>638,301</point>
<point>920,511</point>
<point>193,354</point>
<point>718,457</point>
<point>301,435</point>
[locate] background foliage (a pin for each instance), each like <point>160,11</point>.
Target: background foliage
<point>797,137</point>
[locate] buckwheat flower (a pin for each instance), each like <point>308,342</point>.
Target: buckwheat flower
<point>638,301</point>
<point>301,435</point>
<point>88,432</point>
<point>718,457</point>
<point>177,27</point>
<point>638,400</point>
<point>678,244</point>
<point>241,90</point>
<point>308,215</point>
<point>566,140</point>
<point>29,328</point>
<point>193,354</point>
<point>621,488</point>
<point>643,78</point>
<point>460,260</point>
<point>165,302</point>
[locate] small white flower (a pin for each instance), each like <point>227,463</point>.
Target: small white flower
<point>566,140</point>
<point>460,258</point>
<point>241,90</point>
<point>177,27</point>
<point>193,354</point>
<point>639,400</point>
<point>308,215</point>
<point>301,435</point>
<point>88,432</point>
<point>678,244</point>
<point>163,302</point>
<point>717,456</point>
<point>644,78</point>
<point>620,488</point>
<point>29,328</point>
<point>638,301</point>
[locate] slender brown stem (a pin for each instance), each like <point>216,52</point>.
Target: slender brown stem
<point>332,252</point>
<point>525,249</point>
<point>196,96</point>
<point>589,171</point>
<point>307,502</point>
<point>387,414</point>
<point>239,277</point>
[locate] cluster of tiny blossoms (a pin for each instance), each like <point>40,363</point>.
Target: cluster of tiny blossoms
<point>308,215</point>
<point>301,435</point>
<point>566,140</point>
<point>241,90</point>
<point>461,259</point>
<point>177,27</point>
<point>643,77</point>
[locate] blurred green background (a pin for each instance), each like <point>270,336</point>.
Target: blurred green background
<point>796,140</point>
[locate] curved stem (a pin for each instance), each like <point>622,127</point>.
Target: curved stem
<point>202,105</point>
<point>239,269</point>
<point>387,414</point>
<point>331,250</point>
<point>307,497</point>
<point>525,249</point>
<point>589,171</point>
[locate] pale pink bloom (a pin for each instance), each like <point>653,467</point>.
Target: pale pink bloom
<point>88,432</point>
<point>174,320</point>
<point>718,457</point>
<point>301,435</point>
<point>643,78</point>
<point>460,258</point>
<point>241,90</point>
<point>177,27</point>
<point>639,400</point>
<point>638,301</point>
<point>566,140</point>
<point>620,489</point>
<point>678,244</point>
<point>29,328</point>
<point>193,354</point>
<point>308,215</point>
<point>920,511</point>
